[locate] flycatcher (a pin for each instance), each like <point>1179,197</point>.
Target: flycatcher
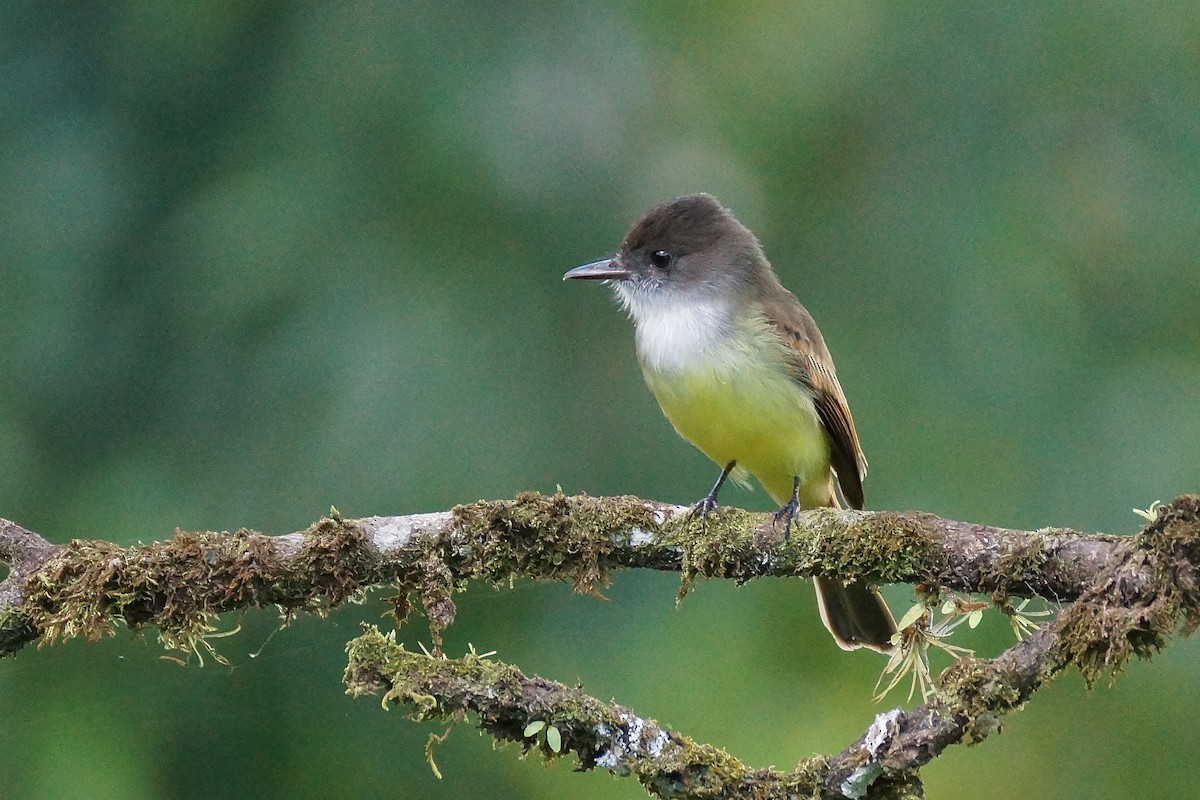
<point>742,372</point>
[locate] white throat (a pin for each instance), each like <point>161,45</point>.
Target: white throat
<point>677,332</point>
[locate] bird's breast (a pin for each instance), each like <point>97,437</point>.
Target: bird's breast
<point>736,401</point>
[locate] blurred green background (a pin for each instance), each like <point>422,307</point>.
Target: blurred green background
<point>258,258</point>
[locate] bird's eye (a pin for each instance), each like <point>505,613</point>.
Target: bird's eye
<point>660,259</point>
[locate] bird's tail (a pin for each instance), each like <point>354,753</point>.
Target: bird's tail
<point>855,614</point>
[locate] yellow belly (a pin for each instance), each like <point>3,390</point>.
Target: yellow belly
<point>754,415</point>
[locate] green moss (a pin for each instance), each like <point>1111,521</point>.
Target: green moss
<point>885,548</point>
<point>334,562</point>
<point>713,546</point>
<point>1019,565</point>
<point>1174,537</point>
<point>77,592</point>
<point>87,588</point>
<point>549,536</point>
<point>979,693</point>
<point>16,630</point>
<point>1095,638</point>
<point>1118,618</point>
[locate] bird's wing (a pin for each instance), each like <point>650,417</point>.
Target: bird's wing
<point>813,369</point>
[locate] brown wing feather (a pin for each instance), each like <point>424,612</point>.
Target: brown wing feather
<point>845,453</point>
<point>814,370</point>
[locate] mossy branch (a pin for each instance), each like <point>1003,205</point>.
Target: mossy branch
<point>509,705</point>
<point>85,587</point>
<point>1129,596</point>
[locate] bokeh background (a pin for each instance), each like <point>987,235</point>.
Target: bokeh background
<point>258,258</point>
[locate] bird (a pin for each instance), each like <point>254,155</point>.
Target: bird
<point>741,370</point>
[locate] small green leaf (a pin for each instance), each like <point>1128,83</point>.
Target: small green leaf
<point>975,617</point>
<point>554,739</point>
<point>532,728</point>
<point>911,616</point>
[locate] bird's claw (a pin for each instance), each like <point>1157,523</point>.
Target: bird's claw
<point>787,513</point>
<point>706,506</point>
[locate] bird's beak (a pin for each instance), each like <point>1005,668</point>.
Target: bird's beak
<point>607,270</point>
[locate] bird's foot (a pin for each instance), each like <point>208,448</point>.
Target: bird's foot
<point>702,509</point>
<point>708,503</point>
<point>785,514</point>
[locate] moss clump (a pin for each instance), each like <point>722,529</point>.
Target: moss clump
<point>1124,614</point>
<point>546,536</point>
<point>179,585</point>
<point>436,588</point>
<point>333,563</point>
<point>714,546</point>
<point>1020,563</point>
<point>885,547</point>
<point>980,692</point>
<point>552,537</point>
<point>78,592</point>
<point>1174,538</point>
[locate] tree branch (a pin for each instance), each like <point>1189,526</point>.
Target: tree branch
<point>605,735</point>
<point>1130,594</point>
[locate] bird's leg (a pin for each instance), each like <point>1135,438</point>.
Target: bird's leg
<point>788,510</point>
<point>709,501</point>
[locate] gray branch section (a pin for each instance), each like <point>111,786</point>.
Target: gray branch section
<point>24,552</point>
